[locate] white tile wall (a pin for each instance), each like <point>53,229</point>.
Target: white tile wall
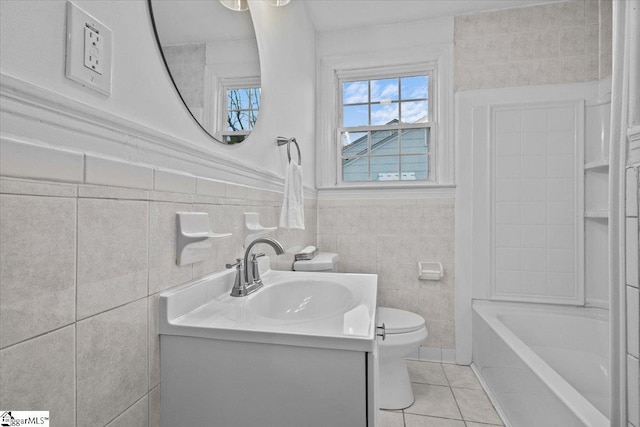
<point>37,266</point>
<point>534,205</point>
<point>544,44</point>
<point>40,373</point>
<point>96,343</point>
<point>19,159</point>
<point>390,237</point>
<point>173,181</point>
<point>113,172</point>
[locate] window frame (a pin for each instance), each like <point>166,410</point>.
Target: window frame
<point>367,74</point>
<point>225,84</point>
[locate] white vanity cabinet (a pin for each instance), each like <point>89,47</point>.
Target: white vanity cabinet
<point>301,352</point>
<point>208,382</point>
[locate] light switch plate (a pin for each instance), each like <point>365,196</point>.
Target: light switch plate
<point>88,50</point>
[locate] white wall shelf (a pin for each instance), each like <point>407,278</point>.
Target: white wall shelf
<point>599,166</point>
<point>597,214</point>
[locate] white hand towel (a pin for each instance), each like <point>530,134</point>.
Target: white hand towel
<point>292,213</point>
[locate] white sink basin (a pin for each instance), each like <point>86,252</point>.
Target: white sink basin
<point>328,310</point>
<point>301,300</point>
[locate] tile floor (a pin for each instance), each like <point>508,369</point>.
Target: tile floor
<point>446,396</point>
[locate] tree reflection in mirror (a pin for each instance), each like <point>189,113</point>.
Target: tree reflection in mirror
<point>241,113</point>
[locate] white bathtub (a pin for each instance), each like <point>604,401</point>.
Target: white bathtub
<point>544,365</point>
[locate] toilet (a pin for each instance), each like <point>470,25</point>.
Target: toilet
<point>404,331</point>
<point>324,261</point>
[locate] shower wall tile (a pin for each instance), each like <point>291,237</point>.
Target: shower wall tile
<point>47,381</point>
<point>534,246</point>
<point>37,265</point>
<point>112,254</point>
<point>546,44</point>
<point>111,345</point>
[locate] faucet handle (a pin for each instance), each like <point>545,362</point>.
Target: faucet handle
<point>237,264</point>
<point>256,256</point>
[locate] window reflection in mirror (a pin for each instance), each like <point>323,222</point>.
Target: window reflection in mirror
<point>211,54</point>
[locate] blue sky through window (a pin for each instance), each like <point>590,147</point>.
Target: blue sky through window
<point>376,102</point>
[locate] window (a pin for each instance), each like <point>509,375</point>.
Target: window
<point>386,126</point>
<point>240,112</point>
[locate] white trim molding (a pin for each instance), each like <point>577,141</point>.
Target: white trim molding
<point>37,116</point>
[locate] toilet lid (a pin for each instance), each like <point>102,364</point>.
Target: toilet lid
<point>399,321</point>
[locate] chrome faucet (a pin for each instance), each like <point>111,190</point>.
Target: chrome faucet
<point>248,276</point>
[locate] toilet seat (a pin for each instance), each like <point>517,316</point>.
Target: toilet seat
<point>399,321</point>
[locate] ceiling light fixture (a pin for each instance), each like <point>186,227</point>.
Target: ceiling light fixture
<point>236,5</point>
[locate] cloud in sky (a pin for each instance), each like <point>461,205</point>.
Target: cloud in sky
<point>355,92</point>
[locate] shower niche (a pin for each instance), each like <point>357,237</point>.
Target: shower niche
<point>596,196</point>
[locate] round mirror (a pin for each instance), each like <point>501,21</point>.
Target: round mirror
<point>211,54</point>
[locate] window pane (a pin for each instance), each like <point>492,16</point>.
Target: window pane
<point>384,142</point>
<point>239,120</point>
<point>354,144</point>
<point>384,90</point>
<point>415,112</point>
<point>355,92</point>
<point>356,169</point>
<point>255,98</point>
<point>384,114</point>
<point>386,168</point>
<point>237,99</point>
<point>416,87</point>
<point>414,168</point>
<point>252,116</point>
<point>357,115</point>
<point>415,141</point>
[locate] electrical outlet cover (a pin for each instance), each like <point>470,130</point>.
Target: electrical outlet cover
<point>87,63</point>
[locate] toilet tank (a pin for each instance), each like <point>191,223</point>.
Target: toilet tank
<point>324,261</point>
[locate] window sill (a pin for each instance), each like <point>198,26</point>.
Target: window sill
<point>388,191</point>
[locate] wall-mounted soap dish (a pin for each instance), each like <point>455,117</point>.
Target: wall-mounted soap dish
<point>253,229</point>
<point>430,271</point>
<point>194,237</point>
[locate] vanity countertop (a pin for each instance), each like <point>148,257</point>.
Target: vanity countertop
<point>307,309</point>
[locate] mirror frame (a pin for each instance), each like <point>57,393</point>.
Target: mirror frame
<point>175,86</point>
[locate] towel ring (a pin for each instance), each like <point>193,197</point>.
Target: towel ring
<point>282,140</point>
